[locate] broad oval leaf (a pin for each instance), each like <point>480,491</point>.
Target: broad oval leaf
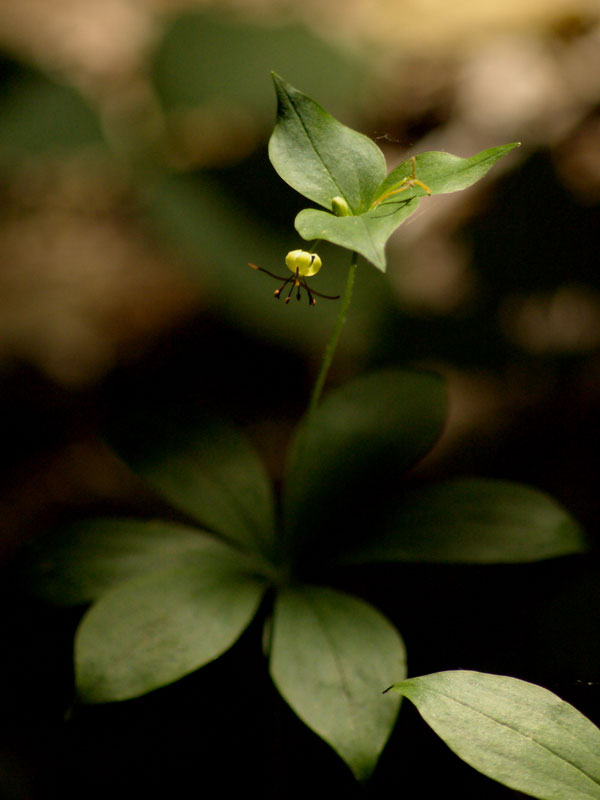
<point>207,469</point>
<point>366,233</point>
<point>512,731</point>
<point>153,630</point>
<point>473,521</point>
<point>361,438</point>
<point>320,157</point>
<point>84,560</point>
<point>330,655</point>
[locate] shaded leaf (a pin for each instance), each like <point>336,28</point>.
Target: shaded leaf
<point>473,521</point>
<point>330,656</point>
<point>153,630</point>
<point>84,560</point>
<point>207,469</point>
<point>515,732</point>
<point>364,434</point>
<point>320,157</point>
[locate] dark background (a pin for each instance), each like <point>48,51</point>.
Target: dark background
<point>135,188</point>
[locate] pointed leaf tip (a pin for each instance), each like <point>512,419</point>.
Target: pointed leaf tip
<point>319,156</point>
<point>330,655</point>
<point>152,630</point>
<point>515,732</point>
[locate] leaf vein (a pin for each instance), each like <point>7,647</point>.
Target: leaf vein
<point>314,147</point>
<point>516,730</point>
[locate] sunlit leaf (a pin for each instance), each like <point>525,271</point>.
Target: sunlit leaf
<point>366,233</point>
<point>515,732</point>
<point>330,656</point>
<point>441,172</point>
<point>320,157</point>
<point>473,521</point>
<point>153,630</point>
<point>323,159</point>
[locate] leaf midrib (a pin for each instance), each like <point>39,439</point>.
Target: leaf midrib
<point>314,147</point>
<point>525,736</point>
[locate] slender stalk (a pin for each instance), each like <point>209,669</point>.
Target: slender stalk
<point>333,341</point>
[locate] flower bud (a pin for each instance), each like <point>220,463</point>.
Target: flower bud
<point>306,263</point>
<point>340,207</point>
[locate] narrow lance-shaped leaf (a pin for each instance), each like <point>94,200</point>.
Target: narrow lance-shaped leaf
<point>320,157</point>
<point>441,172</point>
<point>207,469</point>
<point>515,732</point>
<point>330,654</point>
<point>472,521</point>
<point>84,560</point>
<point>153,630</point>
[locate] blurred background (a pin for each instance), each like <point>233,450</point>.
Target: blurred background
<point>135,188</point>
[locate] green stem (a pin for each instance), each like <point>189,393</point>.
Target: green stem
<point>333,341</point>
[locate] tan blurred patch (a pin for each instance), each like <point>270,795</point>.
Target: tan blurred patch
<point>90,40</point>
<point>82,288</point>
<point>435,278</point>
<point>211,136</point>
<point>565,321</point>
<point>577,161</point>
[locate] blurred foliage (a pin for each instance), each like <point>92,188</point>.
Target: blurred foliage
<point>203,59</point>
<point>39,116</point>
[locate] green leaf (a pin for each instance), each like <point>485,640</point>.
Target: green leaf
<point>330,656</point>
<point>83,561</point>
<point>442,172</point>
<point>473,521</point>
<point>153,630</point>
<point>364,434</point>
<point>366,234</point>
<point>515,732</point>
<point>207,469</point>
<point>320,157</point>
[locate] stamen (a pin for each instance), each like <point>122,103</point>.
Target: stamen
<point>311,299</point>
<point>277,292</point>
<point>298,282</point>
<point>271,274</point>
<point>287,299</point>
